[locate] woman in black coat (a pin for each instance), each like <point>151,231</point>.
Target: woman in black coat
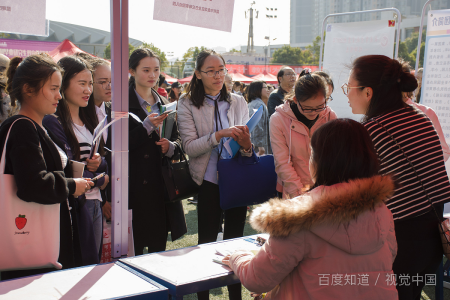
<point>152,216</point>
<point>33,156</point>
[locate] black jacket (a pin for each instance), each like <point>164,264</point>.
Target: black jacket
<point>152,217</point>
<point>276,98</point>
<point>39,178</point>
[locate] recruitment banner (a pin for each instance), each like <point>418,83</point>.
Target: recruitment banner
<point>250,70</point>
<point>23,17</point>
<point>212,14</point>
<point>347,41</point>
<point>24,48</point>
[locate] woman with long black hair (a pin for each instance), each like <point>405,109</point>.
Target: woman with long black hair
<point>208,113</point>
<point>152,216</point>
<point>35,156</point>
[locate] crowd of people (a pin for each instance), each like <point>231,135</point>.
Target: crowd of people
<point>360,200</point>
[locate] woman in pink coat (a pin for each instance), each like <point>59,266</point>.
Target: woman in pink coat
<point>336,241</point>
<point>291,128</point>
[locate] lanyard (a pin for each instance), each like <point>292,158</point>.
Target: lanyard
<point>217,119</point>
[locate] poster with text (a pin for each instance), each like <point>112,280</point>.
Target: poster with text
<point>212,14</point>
<point>345,42</point>
<point>435,91</point>
<point>23,17</point>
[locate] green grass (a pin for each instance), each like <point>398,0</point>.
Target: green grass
<point>191,238</point>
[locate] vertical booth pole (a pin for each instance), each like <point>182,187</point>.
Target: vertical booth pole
<point>419,41</point>
<point>399,20</point>
<point>119,175</point>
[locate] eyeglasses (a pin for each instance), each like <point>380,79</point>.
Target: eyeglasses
<point>329,99</point>
<point>290,74</point>
<point>345,88</point>
<point>265,87</point>
<point>104,84</point>
<point>212,73</point>
<point>313,110</point>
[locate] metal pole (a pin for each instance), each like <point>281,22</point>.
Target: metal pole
<point>399,20</point>
<point>119,175</point>
<point>419,41</point>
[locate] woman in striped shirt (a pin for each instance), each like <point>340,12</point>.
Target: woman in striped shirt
<point>375,89</point>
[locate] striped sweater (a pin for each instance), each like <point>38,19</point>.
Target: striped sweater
<point>416,135</point>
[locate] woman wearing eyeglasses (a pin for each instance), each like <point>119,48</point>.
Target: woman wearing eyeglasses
<point>408,147</point>
<point>206,114</point>
<point>291,128</point>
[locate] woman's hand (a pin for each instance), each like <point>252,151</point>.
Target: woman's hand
<point>105,183</point>
<point>244,138</point>
<point>232,132</point>
<point>156,120</point>
<point>94,162</point>
<point>226,260</point>
<point>262,151</point>
<point>164,143</point>
<point>107,210</point>
<point>82,186</point>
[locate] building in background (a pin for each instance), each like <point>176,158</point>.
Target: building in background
<point>307,15</point>
<point>87,39</point>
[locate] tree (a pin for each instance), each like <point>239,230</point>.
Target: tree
<point>4,35</point>
<point>158,51</point>
<point>235,50</point>
<point>108,50</point>
<point>315,50</point>
<point>192,52</point>
<point>287,55</point>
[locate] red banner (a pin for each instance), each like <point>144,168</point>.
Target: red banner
<point>258,69</point>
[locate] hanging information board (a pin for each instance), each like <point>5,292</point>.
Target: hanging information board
<point>23,17</point>
<point>346,41</point>
<point>212,14</point>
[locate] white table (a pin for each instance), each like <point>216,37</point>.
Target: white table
<point>105,281</point>
<point>190,270</point>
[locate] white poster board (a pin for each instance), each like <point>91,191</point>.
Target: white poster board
<point>347,41</point>
<point>435,91</point>
<point>23,17</point>
<point>212,14</point>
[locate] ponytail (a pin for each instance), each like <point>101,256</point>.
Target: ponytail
<point>12,68</point>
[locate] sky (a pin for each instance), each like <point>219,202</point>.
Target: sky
<point>176,38</point>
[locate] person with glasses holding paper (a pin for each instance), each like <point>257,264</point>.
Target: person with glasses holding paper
<point>286,80</point>
<point>153,217</point>
<point>206,114</point>
<point>291,128</point>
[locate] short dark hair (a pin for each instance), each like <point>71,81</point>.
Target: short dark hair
<point>33,71</point>
<point>237,83</point>
<point>162,78</point>
<point>308,85</point>
<point>387,79</point>
<point>281,73</point>
<point>327,78</point>
<point>342,150</point>
<point>195,90</point>
<point>254,90</point>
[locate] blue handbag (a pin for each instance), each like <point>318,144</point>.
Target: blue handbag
<point>245,181</point>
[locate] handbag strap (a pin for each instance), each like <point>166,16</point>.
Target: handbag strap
<point>411,165</point>
<point>2,161</point>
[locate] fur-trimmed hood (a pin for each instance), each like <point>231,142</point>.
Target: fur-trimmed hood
<point>347,215</point>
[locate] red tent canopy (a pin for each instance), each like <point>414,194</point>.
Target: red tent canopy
<point>269,78</point>
<point>184,80</point>
<point>66,48</point>
<point>170,79</point>
<point>240,77</point>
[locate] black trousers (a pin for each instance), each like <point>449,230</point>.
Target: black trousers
<point>209,219</point>
<point>419,253</point>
